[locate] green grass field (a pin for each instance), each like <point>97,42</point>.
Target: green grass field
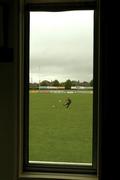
<point>59,134</point>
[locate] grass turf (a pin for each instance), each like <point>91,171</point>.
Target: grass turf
<point>59,134</point>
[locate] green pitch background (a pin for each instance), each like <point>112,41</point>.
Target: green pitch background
<point>59,134</point>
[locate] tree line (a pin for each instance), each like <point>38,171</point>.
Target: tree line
<point>67,84</point>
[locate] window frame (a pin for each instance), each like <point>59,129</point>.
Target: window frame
<point>26,167</point>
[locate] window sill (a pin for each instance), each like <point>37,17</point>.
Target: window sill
<point>42,176</point>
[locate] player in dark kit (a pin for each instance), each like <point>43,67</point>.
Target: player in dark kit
<point>67,102</point>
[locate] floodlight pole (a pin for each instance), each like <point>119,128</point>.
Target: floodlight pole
<point>39,85</point>
<point>39,78</point>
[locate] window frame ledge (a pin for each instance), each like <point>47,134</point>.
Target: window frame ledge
<point>59,176</point>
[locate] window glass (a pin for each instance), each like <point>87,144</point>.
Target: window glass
<point>61,87</point>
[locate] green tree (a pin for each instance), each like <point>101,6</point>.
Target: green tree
<point>68,84</point>
<point>45,83</point>
<point>55,83</point>
<point>75,83</point>
<point>91,82</point>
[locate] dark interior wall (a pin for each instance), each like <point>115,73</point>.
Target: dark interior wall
<point>8,94</point>
<point>8,97</point>
<point>6,120</point>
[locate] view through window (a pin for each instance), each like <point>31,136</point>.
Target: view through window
<point>61,87</point>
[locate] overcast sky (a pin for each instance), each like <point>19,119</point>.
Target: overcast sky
<point>61,45</point>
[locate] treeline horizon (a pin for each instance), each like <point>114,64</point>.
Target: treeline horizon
<point>67,84</point>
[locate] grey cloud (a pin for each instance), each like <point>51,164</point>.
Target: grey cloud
<point>59,50</point>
